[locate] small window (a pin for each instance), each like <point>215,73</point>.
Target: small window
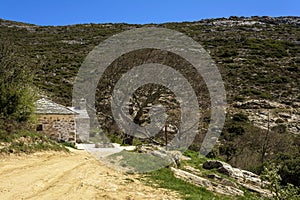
<point>39,127</point>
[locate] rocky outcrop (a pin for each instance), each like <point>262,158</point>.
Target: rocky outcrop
<point>209,185</point>
<point>257,104</point>
<point>236,173</point>
<point>221,180</point>
<point>237,178</point>
<point>246,179</point>
<point>264,114</point>
<point>193,170</point>
<point>222,185</point>
<point>174,156</point>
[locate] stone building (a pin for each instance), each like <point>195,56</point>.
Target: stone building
<point>62,123</point>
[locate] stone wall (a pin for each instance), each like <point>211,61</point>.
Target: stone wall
<point>58,127</point>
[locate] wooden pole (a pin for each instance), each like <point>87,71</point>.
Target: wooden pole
<point>166,136</point>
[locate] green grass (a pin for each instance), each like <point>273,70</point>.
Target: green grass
<point>68,144</point>
<point>164,178</point>
<point>196,159</point>
<point>27,142</point>
<point>138,162</point>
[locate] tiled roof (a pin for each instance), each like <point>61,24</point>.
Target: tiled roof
<point>46,106</point>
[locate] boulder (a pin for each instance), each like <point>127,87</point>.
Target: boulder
<point>213,164</point>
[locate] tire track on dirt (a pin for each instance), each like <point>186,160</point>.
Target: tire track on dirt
<point>57,181</point>
<point>8,168</point>
<point>77,175</point>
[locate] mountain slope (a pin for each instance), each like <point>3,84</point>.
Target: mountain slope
<point>258,59</point>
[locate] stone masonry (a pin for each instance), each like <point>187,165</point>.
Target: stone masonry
<point>56,121</point>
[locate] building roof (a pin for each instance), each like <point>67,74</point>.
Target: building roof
<point>82,113</point>
<point>46,106</point>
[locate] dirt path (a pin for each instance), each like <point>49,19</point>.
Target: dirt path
<point>76,175</point>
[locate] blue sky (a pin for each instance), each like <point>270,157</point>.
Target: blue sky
<point>64,12</point>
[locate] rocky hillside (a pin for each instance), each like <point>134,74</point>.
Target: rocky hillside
<point>258,58</point>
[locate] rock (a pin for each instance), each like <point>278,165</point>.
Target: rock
<point>223,168</point>
<point>158,154</point>
<point>258,104</point>
<point>244,178</point>
<point>209,185</point>
<point>221,180</point>
<point>189,177</point>
<point>285,115</point>
<point>296,104</point>
<point>263,117</point>
<point>253,104</point>
<point>174,156</point>
<point>257,189</point>
<point>227,190</point>
<point>230,171</point>
<point>264,112</point>
<point>294,129</point>
<point>193,170</point>
<point>177,154</point>
<point>213,164</point>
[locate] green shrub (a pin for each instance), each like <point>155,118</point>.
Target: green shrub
<point>271,175</point>
<point>239,98</point>
<point>265,95</point>
<point>16,93</point>
<point>289,168</point>
<point>240,117</point>
<point>280,128</point>
<point>236,130</point>
<point>280,79</point>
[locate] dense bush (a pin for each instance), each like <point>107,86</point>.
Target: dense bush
<point>240,117</point>
<point>17,106</point>
<point>279,192</point>
<point>16,94</point>
<point>289,169</point>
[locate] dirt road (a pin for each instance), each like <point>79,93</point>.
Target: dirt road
<point>76,175</point>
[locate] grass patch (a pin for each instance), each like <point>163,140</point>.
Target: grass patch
<point>27,142</point>
<point>196,159</point>
<point>69,144</point>
<point>164,178</point>
<point>138,162</point>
